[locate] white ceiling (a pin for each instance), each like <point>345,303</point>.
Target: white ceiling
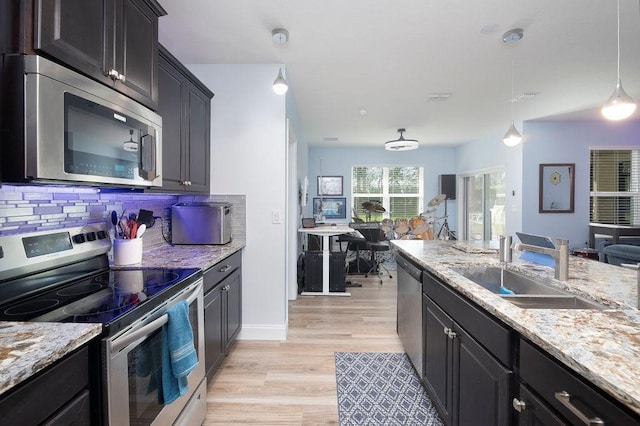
<point>386,56</point>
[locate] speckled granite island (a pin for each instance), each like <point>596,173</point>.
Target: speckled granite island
<point>603,346</point>
<point>27,347</point>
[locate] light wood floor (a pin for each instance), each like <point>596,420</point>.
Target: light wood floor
<point>293,382</point>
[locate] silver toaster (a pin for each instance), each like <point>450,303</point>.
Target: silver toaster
<point>201,223</point>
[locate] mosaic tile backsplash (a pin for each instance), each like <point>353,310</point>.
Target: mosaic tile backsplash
<point>39,208</point>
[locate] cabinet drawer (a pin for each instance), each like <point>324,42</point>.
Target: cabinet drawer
<point>220,270</point>
<point>548,378</point>
<point>492,334</point>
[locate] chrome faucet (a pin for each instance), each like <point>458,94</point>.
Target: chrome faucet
<point>560,255</point>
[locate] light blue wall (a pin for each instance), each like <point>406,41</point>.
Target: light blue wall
<point>567,142</point>
<point>339,161</point>
<point>489,153</point>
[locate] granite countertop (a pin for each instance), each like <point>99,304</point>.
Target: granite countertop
<point>186,256</point>
<point>29,347</point>
<point>603,346</point>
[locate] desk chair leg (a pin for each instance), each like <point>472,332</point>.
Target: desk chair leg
<point>375,267</point>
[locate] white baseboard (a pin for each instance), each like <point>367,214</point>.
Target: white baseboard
<point>263,332</point>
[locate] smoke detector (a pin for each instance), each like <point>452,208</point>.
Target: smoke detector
<point>280,36</point>
<point>513,35</point>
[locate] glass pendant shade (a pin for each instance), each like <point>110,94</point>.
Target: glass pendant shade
<point>619,106</point>
<point>513,136</point>
<point>280,85</point>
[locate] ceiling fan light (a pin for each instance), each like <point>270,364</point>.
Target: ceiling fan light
<point>280,85</point>
<point>619,106</point>
<point>513,136</point>
<point>401,144</point>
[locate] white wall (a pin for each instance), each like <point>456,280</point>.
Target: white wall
<point>567,142</point>
<point>488,153</point>
<point>249,152</point>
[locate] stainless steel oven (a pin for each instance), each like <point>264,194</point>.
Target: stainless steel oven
<point>63,126</point>
<point>64,276</point>
<point>133,368</point>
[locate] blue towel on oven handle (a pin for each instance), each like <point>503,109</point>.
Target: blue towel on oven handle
<point>179,354</point>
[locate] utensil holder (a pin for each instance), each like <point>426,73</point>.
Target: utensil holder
<point>127,251</point>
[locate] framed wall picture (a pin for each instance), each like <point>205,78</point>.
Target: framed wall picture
<point>331,208</point>
<point>557,185</point>
<point>330,185</point>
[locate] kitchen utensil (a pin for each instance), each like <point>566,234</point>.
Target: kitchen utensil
<point>141,229</point>
<point>133,228</point>
<point>124,224</point>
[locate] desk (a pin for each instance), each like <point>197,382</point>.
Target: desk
<point>615,231</point>
<point>325,232</point>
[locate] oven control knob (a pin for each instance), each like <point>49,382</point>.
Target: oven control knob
<point>91,236</point>
<point>101,235</point>
<point>79,239</point>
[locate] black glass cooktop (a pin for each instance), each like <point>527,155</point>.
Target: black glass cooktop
<point>108,297</point>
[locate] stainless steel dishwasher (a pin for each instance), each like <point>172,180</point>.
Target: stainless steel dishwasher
<point>409,315</point>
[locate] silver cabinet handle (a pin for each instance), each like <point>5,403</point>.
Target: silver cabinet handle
<point>565,399</point>
<point>518,405</point>
<point>113,74</point>
<point>450,333</point>
<point>225,268</point>
<point>122,78</point>
<point>226,287</point>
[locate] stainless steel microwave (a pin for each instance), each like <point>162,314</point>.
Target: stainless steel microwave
<point>60,126</point>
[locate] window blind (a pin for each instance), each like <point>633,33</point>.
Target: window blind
<point>397,188</point>
<point>614,186</point>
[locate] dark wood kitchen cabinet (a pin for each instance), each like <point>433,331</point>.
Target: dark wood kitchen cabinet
<point>112,41</point>
<point>59,395</point>
<point>468,359</point>
<point>185,107</point>
<point>222,310</point>
<point>550,394</point>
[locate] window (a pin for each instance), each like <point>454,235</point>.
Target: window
<point>397,188</point>
<point>484,200</point>
<point>614,186</point>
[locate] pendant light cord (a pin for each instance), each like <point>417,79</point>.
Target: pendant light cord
<point>511,100</point>
<point>618,40</point>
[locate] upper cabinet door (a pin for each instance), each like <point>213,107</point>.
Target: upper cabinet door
<point>136,49</point>
<point>198,113</point>
<point>74,32</point>
<point>112,41</point>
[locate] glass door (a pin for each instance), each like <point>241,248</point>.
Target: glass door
<point>484,205</point>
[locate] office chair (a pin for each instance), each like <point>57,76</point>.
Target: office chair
<point>377,244</point>
<point>355,244</point>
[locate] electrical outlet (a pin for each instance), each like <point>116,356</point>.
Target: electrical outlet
<point>275,216</point>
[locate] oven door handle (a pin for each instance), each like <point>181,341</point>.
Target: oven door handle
<point>128,338</point>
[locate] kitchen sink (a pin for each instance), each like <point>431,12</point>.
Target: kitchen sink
<point>525,292</point>
<point>502,281</point>
<point>553,302</point>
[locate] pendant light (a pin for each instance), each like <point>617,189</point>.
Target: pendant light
<point>280,37</point>
<point>401,144</point>
<point>620,105</point>
<point>513,136</point>
<point>280,85</point>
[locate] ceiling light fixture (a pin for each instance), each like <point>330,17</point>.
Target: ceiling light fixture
<point>620,105</point>
<point>513,136</point>
<point>401,144</point>
<point>280,36</point>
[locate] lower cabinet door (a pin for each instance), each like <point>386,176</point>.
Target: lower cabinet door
<point>233,285</point>
<point>438,359</point>
<point>213,330</point>
<point>483,385</point>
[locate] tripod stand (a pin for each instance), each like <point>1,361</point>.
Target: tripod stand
<point>445,233</point>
